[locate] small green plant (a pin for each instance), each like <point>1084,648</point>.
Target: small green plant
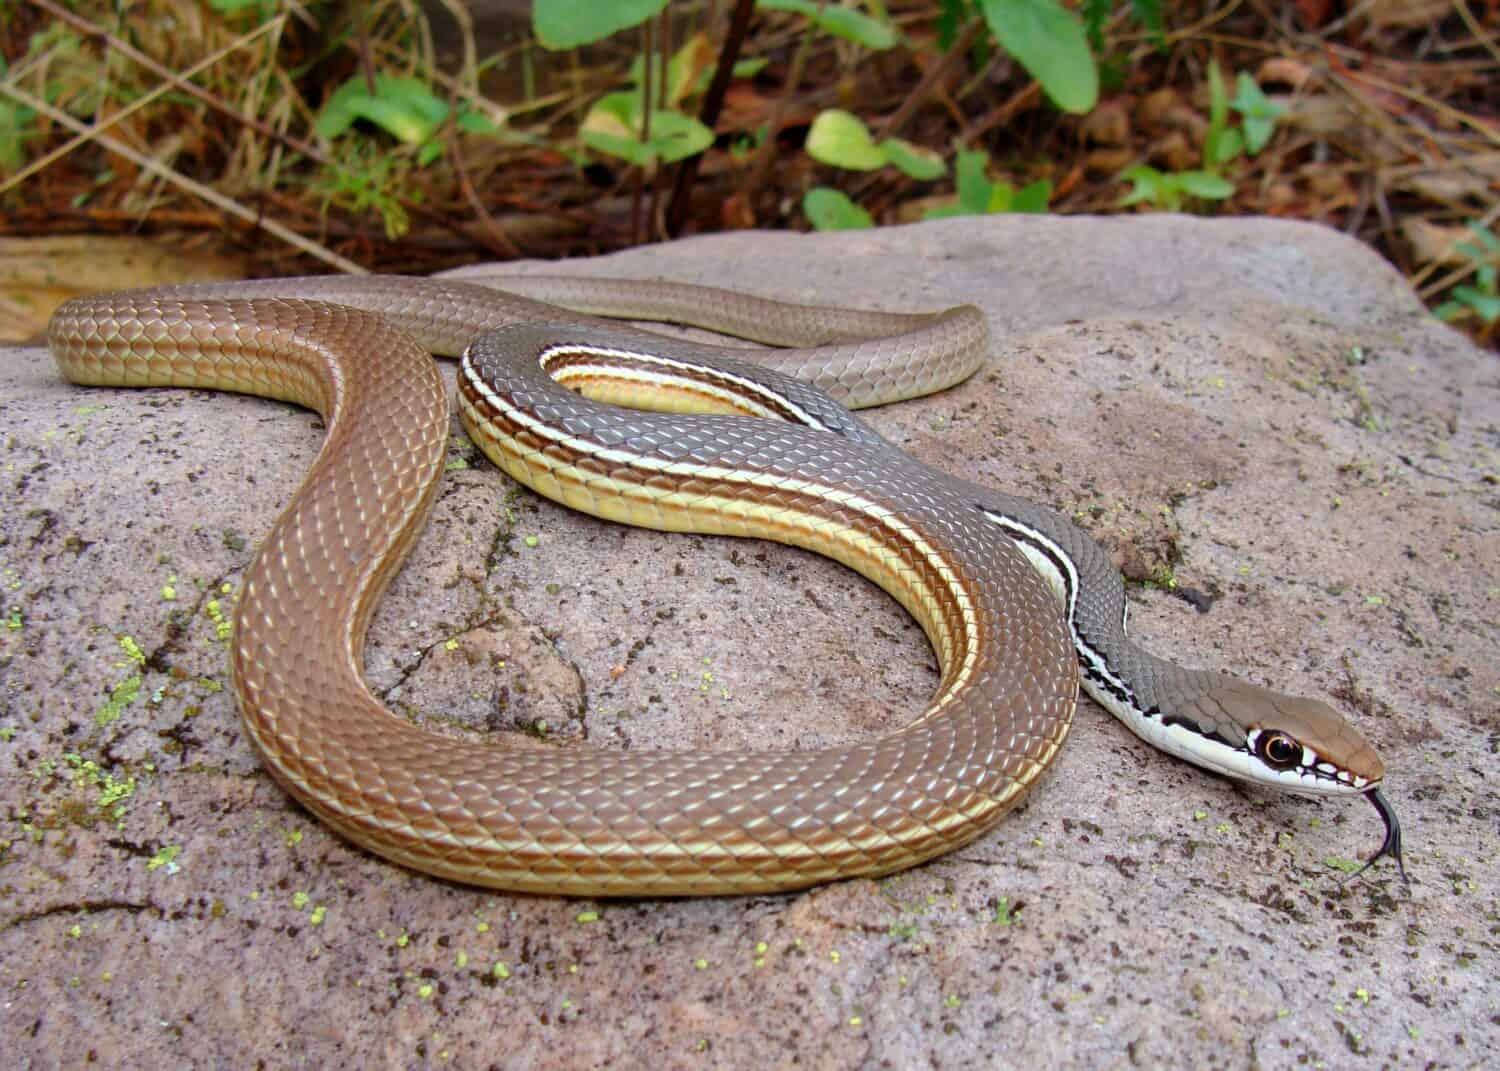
<point>1482,300</point>
<point>405,108</point>
<point>367,179</point>
<point>1168,190</point>
<point>841,139</point>
<point>616,124</point>
<point>1223,144</point>
<point>1258,112</point>
<point>978,195</point>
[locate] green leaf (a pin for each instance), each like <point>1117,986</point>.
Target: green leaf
<point>1260,113</point>
<point>1486,306</point>
<point>1218,97</point>
<point>913,160</point>
<point>613,126</point>
<point>560,24</point>
<point>952,14</point>
<point>1049,42</point>
<point>1002,194</point>
<point>1149,184</point>
<point>829,210</point>
<point>841,139</point>
<point>1204,185</point>
<point>1032,198</point>
<point>974,187</point>
<point>403,107</point>
<point>1222,145</point>
<point>474,122</point>
<point>677,136</point>
<point>842,22</point>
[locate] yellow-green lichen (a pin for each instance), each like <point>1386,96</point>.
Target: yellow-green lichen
<point>166,857</point>
<point>112,792</point>
<point>222,625</point>
<point>132,651</point>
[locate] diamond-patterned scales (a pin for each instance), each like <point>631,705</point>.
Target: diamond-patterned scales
<point>580,821</point>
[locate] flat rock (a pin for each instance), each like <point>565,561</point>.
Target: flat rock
<point>1258,420</point>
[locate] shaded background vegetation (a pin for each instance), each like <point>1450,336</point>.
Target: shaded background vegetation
<point>277,138</point>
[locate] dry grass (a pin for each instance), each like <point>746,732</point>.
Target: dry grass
<point>174,119</point>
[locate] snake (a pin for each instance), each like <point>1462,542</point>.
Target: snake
<point>1020,605</point>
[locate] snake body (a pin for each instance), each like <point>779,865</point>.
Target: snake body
<point>971,565</point>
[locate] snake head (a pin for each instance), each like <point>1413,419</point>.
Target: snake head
<point>1297,744</point>
<point>1288,742</point>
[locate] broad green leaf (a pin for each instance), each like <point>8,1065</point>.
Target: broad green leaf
<point>1002,194</point>
<point>829,210</point>
<point>913,160</point>
<point>1049,42</point>
<point>1204,185</point>
<point>403,107</point>
<point>613,126</point>
<point>842,22</point>
<point>841,139</point>
<point>560,24</point>
<point>974,188</point>
<point>676,136</point>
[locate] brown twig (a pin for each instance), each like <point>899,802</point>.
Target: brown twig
<point>934,75</point>
<point>767,151</point>
<point>708,112</point>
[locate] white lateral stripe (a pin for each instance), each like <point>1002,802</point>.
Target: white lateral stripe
<point>870,509</point>
<point>1048,562</point>
<point>759,395</point>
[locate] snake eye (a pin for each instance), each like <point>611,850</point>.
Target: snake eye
<point>1278,750</point>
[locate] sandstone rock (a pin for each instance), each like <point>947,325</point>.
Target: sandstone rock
<point>1258,413</point>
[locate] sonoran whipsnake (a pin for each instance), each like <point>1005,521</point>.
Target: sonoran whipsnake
<point>533,388</point>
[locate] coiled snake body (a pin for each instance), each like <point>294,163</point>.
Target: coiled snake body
<point>972,565</point>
